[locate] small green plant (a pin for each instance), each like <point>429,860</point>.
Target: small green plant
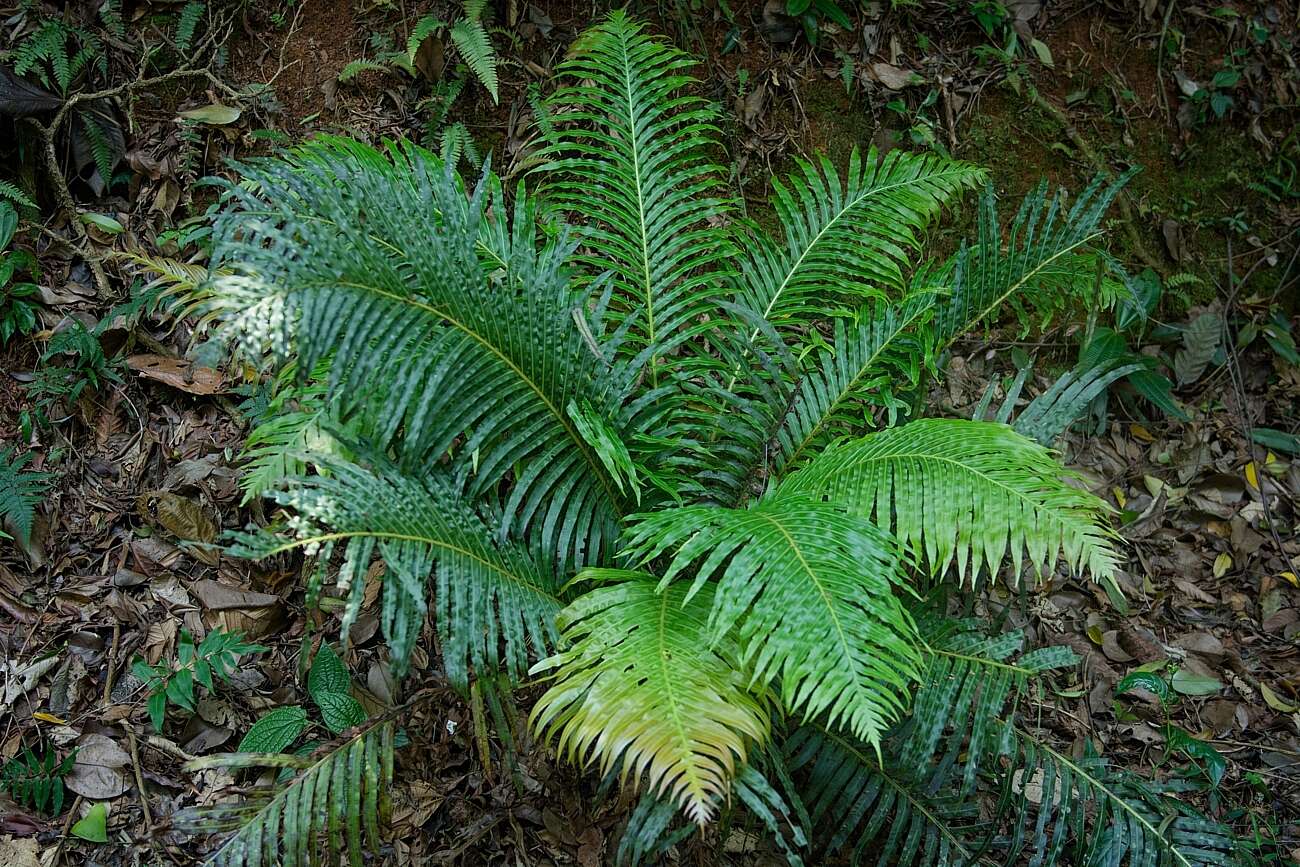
<point>330,688</point>
<point>467,34</point>
<point>56,53</point>
<point>1205,758</point>
<point>20,492</point>
<point>72,361</point>
<point>17,310</point>
<point>37,782</point>
<point>214,659</point>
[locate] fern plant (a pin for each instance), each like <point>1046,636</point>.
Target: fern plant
<point>45,53</point>
<point>634,449</point>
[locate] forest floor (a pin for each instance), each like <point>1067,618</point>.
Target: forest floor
<point>145,460</point>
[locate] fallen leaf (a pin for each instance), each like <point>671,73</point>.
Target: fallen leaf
<point>1222,564</point>
<point>1274,701</point>
<point>94,825</point>
<point>214,114</point>
<point>180,516</point>
<point>1190,683</point>
<point>216,596</point>
<point>893,77</point>
<point>19,852</point>
<point>177,373</point>
<point>99,770</point>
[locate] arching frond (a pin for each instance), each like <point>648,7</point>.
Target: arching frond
<point>810,592</point>
<point>849,237</point>
<point>633,153</point>
<point>863,368</point>
<point>471,39</point>
<point>21,491</point>
<point>968,493</point>
<point>337,798</point>
<point>1052,412</point>
<point>370,259</point>
<point>493,601</point>
<point>642,684</point>
<point>1044,239</point>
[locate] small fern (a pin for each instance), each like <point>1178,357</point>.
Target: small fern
<point>339,794</point>
<point>11,193</point>
<point>20,492</point>
<point>101,149</point>
<point>187,24</point>
<point>37,781</point>
<point>45,52</point>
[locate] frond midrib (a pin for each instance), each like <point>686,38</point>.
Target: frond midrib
<point>798,263</point>
<point>935,821</point>
<point>592,461</point>
<point>1115,799</point>
<point>844,394</point>
<point>513,577</point>
<point>647,285</point>
<point>689,770</point>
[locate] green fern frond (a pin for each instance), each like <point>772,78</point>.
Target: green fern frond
<point>966,491</point>
<point>918,805</point>
<point>865,366</point>
<point>471,40</point>
<point>642,687</point>
<point>493,602</point>
<point>298,424</point>
<point>15,195</point>
<point>427,26</point>
<point>847,237</point>
<point>1052,412</point>
<point>1102,815</point>
<point>20,492</point>
<point>810,592</point>
<point>370,258</point>
<point>632,154</point>
<point>101,150</point>
<point>353,68</point>
<point>1044,237</point>
<point>337,798</point>
<point>187,24</point>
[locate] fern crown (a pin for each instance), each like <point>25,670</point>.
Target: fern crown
<point>633,458</point>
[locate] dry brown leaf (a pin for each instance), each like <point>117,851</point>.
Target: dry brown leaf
<point>99,773</point>
<point>216,596</point>
<point>177,373</point>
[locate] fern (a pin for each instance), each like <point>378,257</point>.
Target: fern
<point>187,24</point>
<point>966,494</point>
<point>629,449</point>
<point>45,51</point>
<point>471,40</point>
<point>20,492</point>
<point>15,195</point>
<point>634,158</point>
<point>101,149</point>
<point>340,793</point>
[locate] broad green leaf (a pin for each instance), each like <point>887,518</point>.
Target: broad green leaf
<point>328,674</point>
<point>275,730</point>
<point>94,825</point>
<point>1190,683</point>
<point>340,711</point>
<point>214,114</point>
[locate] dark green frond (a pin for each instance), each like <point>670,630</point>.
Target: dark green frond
<point>20,492</point>
<point>494,602</point>
<point>1052,412</point>
<point>641,687</point>
<point>966,493</point>
<point>336,801</point>
<point>810,592</point>
<point>846,238</point>
<point>1044,239</point>
<point>371,259</point>
<point>633,154</point>
<point>920,807</point>
<point>864,368</point>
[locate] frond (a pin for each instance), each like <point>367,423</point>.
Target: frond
<point>810,591</point>
<point>494,602</point>
<point>1044,239</point>
<point>337,799</point>
<point>471,40</point>
<point>15,195</point>
<point>20,492</point>
<point>969,492</point>
<point>864,367</point>
<point>632,153</point>
<point>1052,412</point>
<point>847,238</point>
<point>1101,815</point>
<point>641,686</point>
<point>371,259</point>
<point>297,424</point>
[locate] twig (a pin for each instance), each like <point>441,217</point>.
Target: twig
<point>1071,132</point>
<point>139,780</point>
<point>112,664</point>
